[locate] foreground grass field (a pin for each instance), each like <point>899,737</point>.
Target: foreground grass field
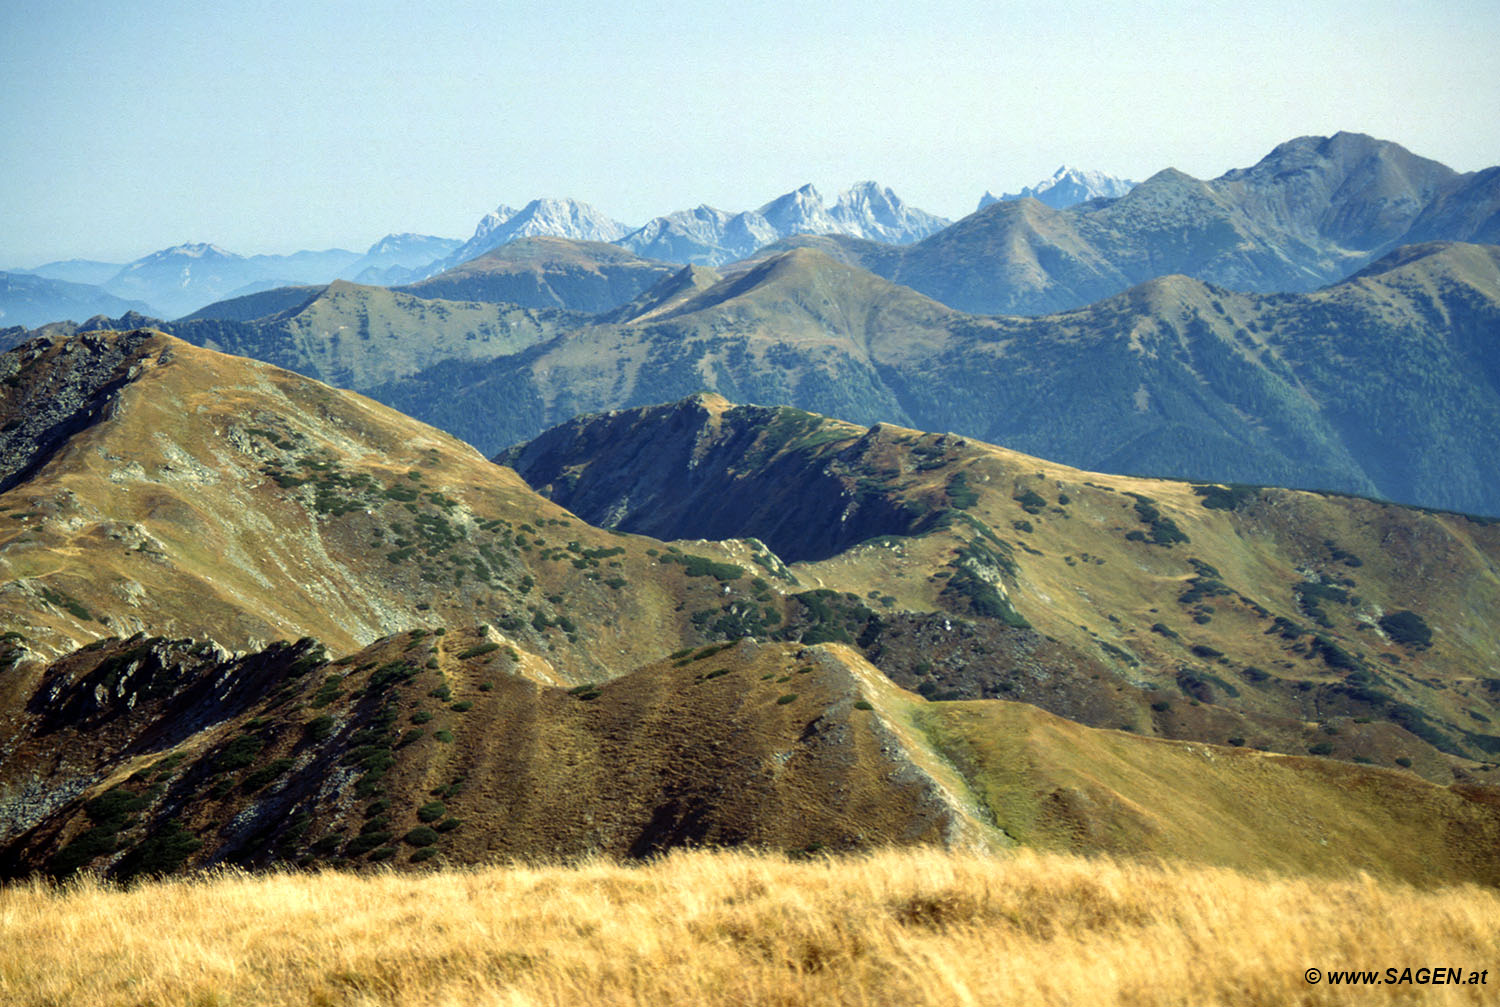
<point>909,928</point>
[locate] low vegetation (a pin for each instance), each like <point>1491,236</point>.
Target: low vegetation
<point>919,927</point>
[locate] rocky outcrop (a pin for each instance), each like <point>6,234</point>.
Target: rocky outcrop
<point>59,387</point>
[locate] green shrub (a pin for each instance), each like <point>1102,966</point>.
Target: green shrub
<point>478,650</point>
<point>1403,762</point>
<point>267,773</point>
<point>1031,501</point>
<point>702,566</point>
<point>160,853</point>
<point>790,697</point>
<point>1321,748</point>
<point>421,717</point>
<point>1226,497</point>
<point>431,811</point>
<point>863,704</point>
<point>365,842</point>
<point>238,754</point>
<point>319,728</point>
<point>1407,629</point>
<point>960,494</point>
<point>445,736</point>
<point>422,835</point>
<point>327,844</point>
<point>448,824</point>
<point>425,853</point>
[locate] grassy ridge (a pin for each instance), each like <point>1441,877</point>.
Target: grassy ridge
<point>913,928</point>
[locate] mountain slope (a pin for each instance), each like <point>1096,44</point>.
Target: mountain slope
<point>972,571</point>
<point>357,336</point>
<point>515,682</point>
<point>289,759</point>
<point>547,272</point>
<point>156,487</point>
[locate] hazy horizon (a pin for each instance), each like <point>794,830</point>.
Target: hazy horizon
<point>275,127</point>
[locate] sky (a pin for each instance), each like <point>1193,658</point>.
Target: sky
<point>267,127</point>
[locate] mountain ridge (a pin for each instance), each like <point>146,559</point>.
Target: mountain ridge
<point>498,677</point>
<point>1174,376</point>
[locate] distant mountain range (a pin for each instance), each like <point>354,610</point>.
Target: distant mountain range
<point>1067,187</point>
<point>708,237</point>
<point>704,235</point>
<point>28,300</point>
<point>175,281</point>
<point>1310,213</point>
<point>1313,211</point>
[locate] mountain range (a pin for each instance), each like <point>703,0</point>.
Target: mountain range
<point>1310,213</point>
<point>867,659</point>
<point>709,237</point>
<point>1066,187</point>
<point>1313,211</point>
<point>1385,384</point>
<point>28,300</point>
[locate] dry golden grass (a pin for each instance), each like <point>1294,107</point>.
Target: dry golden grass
<point>909,928</point>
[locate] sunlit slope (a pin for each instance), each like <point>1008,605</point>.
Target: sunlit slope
<point>158,487</point>
<point>1056,785</point>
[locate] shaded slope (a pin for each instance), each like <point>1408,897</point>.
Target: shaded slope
<point>702,750</point>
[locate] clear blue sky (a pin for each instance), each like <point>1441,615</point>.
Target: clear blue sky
<point>272,126</point>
